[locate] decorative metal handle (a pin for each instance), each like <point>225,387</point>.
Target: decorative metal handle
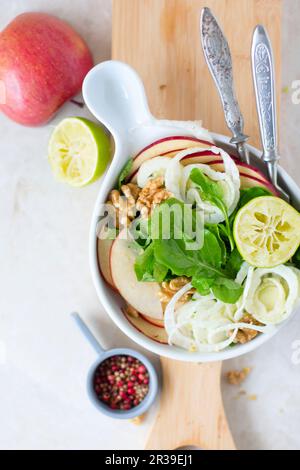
<point>218,58</point>
<point>264,84</point>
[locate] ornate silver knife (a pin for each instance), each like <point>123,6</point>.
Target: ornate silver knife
<point>264,84</point>
<point>218,58</point>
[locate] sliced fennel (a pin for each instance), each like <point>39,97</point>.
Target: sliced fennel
<point>151,169</point>
<point>202,324</point>
<point>177,181</point>
<point>272,294</point>
<point>206,324</point>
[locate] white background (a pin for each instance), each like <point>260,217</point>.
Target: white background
<point>44,275</point>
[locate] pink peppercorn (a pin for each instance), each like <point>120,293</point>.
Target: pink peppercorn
<point>121,382</point>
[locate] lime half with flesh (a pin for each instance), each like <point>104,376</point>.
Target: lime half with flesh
<point>267,231</point>
<point>78,151</point>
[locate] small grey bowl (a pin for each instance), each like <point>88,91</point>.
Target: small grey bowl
<point>102,356</point>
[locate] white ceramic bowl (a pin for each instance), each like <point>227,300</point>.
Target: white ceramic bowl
<point>115,95</point>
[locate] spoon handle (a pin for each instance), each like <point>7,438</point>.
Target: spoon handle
<point>218,57</point>
<point>264,84</point>
<point>87,333</point>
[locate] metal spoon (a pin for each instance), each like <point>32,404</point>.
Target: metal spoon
<point>264,84</point>
<point>217,54</point>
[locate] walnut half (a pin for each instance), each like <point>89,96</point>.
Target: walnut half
<point>124,202</point>
<point>169,289</point>
<point>244,335</point>
<point>151,195</point>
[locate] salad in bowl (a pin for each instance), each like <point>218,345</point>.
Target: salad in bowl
<point>199,246</point>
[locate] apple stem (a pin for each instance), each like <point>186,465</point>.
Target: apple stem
<point>78,103</point>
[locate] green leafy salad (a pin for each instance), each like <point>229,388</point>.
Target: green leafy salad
<point>211,253</point>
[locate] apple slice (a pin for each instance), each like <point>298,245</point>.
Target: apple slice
<point>203,156</point>
<point>218,165</point>
<point>244,170</point>
<point>150,330</point>
<point>153,321</point>
<point>143,296</point>
<point>209,158</point>
<point>250,182</point>
<point>198,157</point>
<point>164,147</point>
<point>103,248</point>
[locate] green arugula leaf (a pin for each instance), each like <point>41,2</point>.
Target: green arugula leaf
<point>147,269</point>
<point>144,264</point>
<point>247,195</point>
<point>227,290</point>
<point>296,258</point>
<point>217,230</point>
<point>205,262</point>
<point>159,272</point>
<point>211,191</point>
<point>234,263</point>
<point>167,257</point>
<point>181,218</point>
<point>124,172</point>
<point>140,231</point>
<point>202,284</point>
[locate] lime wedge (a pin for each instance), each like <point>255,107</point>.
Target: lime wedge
<point>267,231</point>
<point>78,151</point>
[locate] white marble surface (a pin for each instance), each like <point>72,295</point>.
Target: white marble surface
<point>45,275</point>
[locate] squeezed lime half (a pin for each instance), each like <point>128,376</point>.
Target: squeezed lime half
<point>267,231</point>
<point>78,151</point>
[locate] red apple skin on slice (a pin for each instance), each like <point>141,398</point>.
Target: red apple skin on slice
<point>153,321</point>
<point>150,330</point>
<point>103,249</point>
<point>250,182</point>
<point>212,159</point>
<point>143,296</point>
<point>243,170</point>
<point>164,146</point>
<point>217,164</point>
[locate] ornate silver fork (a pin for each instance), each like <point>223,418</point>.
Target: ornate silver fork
<point>264,84</point>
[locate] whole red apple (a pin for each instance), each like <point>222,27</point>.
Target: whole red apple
<point>43,62</point>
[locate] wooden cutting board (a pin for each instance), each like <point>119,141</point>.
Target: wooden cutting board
<point>160,39</point>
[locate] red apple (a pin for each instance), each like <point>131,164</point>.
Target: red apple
<point>43,62</point>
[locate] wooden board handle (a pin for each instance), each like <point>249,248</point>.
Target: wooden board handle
<point>191,411</point>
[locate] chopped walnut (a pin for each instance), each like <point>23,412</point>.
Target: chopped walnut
<point>124,201</point>
<point>244,335</point>
<point>151,195</point>
<point>169,288</point>
<point>131,311</point>
<point>236,377</point>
